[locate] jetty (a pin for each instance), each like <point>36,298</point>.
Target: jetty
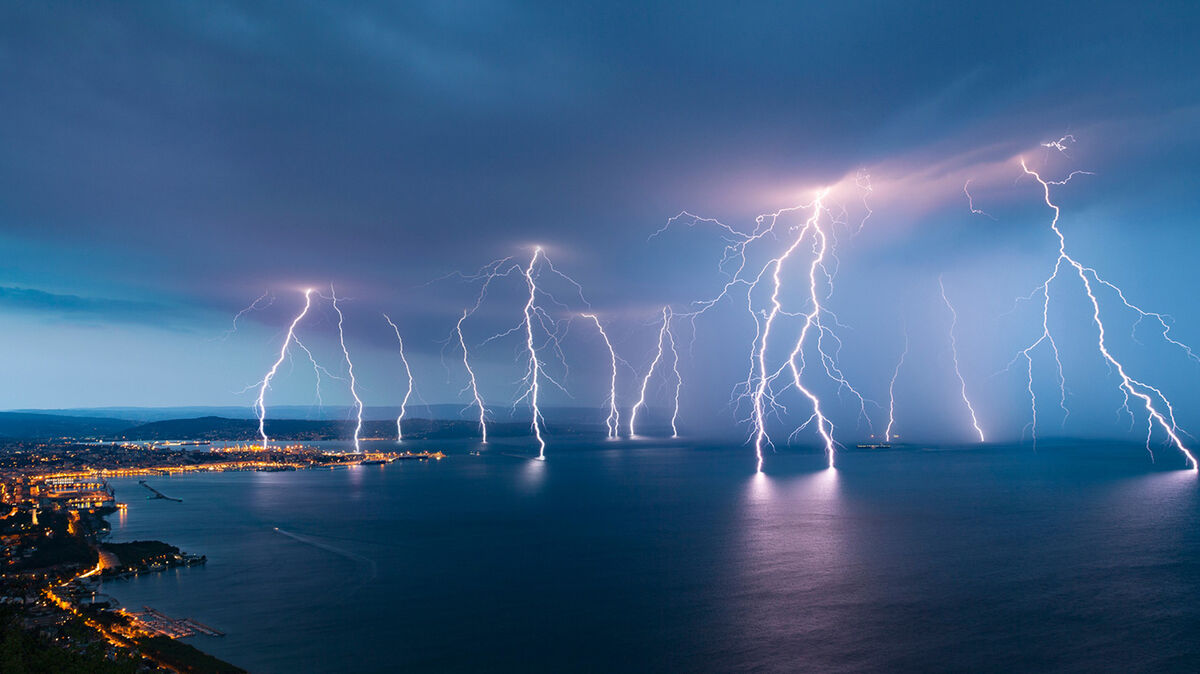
<point>158,494</point>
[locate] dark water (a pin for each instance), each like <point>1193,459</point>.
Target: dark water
<point>617,558</point>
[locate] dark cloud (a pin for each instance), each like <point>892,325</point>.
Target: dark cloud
<point>94,310</point>
<point>207,151</point>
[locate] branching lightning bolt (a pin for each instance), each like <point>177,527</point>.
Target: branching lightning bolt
<point>408,373</point>
<point>758,387</point>
<point>658,354</point>
<point>259,405</point>
<point>358,404</point>
<point>813,318</point>
<point>954,354</point>
<point>489,272</point>
<point>318,369</point>
<point>534,368</point>
<point>534,319</point>
<point>1149,395</point>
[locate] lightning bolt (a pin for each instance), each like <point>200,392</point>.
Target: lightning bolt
<point>489,272</point>
<point>758,387</point>
<point>887,433</point>
<point>1061,144</point>
<point>407,373</point>
<point>534,367</point>
<point>678,378</point>
<point>265,300</point>
<point>1130,387</point>
<point>318,369</point>
<point>812,318</point>
<point>971,202</point>
<point>259,405</point>
<point>954,354</point>
<point>761,389</point>
<point>472,383</point>
<point>658,354</point>
<point>534,319</point>
<point>863,180</point>
<point>358,405</point>
<point>612,423</point>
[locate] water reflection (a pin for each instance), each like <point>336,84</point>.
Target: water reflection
<point>792,550</point>
<point>533,474</point>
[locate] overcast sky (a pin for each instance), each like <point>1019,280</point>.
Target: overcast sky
<point>164,164</point>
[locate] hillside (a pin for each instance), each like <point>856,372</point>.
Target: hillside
<point>31,426</point>
<point>223,429</point>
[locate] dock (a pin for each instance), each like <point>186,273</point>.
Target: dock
<point>162,624</point>
<point>158,494</point>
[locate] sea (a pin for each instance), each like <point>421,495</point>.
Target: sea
<point>649,556</point>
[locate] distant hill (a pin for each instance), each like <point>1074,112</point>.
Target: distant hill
<point>448,412</point>
<point>31,426</point>
<point>223,429</point>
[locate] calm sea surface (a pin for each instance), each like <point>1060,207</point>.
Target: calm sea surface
<point>652,557</point>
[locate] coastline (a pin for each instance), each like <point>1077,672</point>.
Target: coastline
<point>56,552</point>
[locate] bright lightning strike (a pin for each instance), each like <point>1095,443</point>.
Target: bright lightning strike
<point>259,405</point>
<point>1149,395</point>
<point>472,383</point>
<point>535,320</point>
<point>358,405</point>
<point>613,422</point>
<point>954,354</point>
<point>761,391</point>
<point>534,367</point>
<point>759,386</point>
<point>408,373</point>
<point>658,355</point>
<point>678,378</point>
<point>813,318</point>
<point>887,433</point>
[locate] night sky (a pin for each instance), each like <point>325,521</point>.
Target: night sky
<point>164,164</point>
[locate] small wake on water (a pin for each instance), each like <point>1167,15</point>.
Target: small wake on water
<point>367,568</point>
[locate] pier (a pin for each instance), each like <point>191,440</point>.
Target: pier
<point>160,623</point>
<point>158,494</point>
